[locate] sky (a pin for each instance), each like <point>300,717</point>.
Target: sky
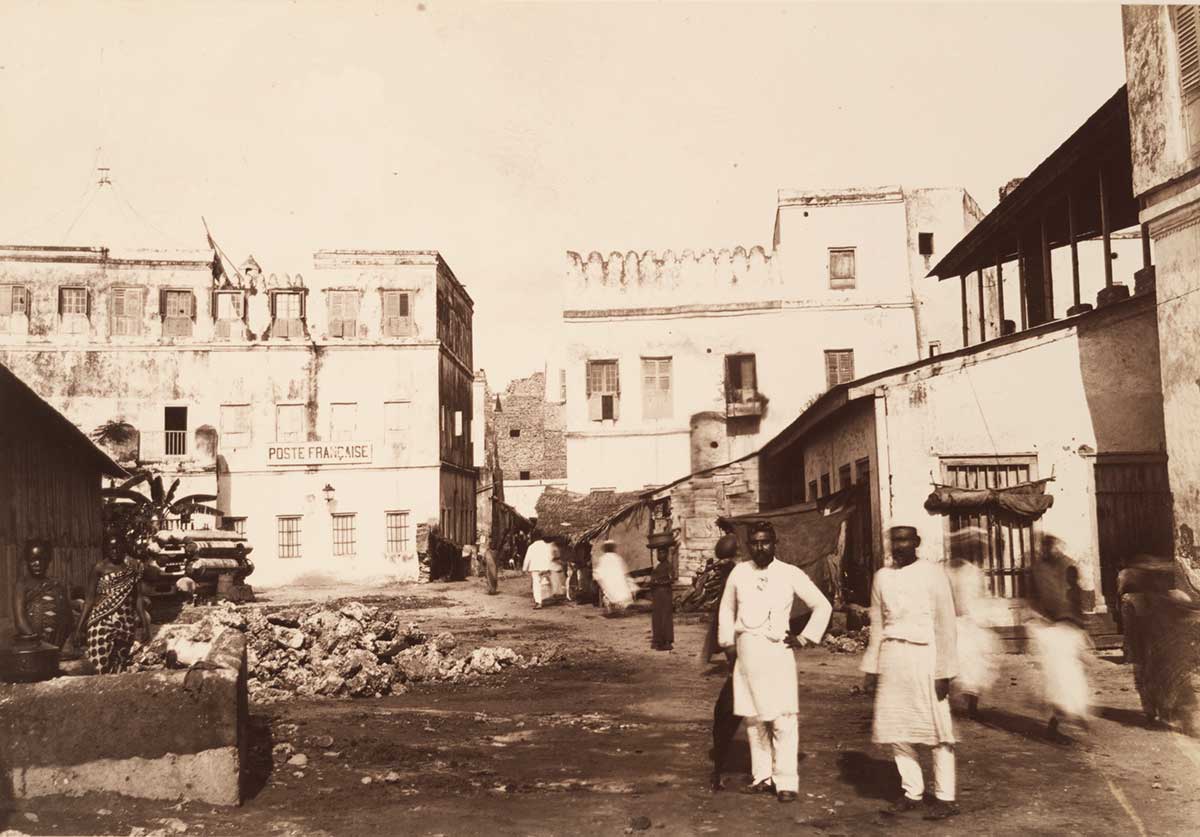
<point>504,135</point>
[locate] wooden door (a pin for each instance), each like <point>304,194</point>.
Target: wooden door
<point>1133,515</point>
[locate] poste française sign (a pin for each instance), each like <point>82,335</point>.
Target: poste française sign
<point>319,453</point>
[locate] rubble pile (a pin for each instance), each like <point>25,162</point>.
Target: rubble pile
<point>351,650</point>
<point>851,642</point>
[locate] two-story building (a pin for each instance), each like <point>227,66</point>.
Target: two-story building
<point>330,413</point>
<point>676,363</point>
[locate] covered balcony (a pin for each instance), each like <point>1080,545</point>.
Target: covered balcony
<point>1082,194</point>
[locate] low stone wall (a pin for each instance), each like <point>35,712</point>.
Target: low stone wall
<point>155,735</point>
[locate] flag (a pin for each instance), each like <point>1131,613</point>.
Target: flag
<point>218,268</point>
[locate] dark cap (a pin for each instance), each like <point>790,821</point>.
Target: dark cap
<point>904,533</point>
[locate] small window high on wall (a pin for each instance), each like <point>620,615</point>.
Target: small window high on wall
<point>839,367</point>
<point>841,268</point>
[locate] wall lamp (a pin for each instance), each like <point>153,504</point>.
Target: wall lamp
<point>328,492</point>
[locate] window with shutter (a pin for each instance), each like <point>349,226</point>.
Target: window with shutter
<point>343,313</point>
<point>396,421</point>
<point>343,422</point>
<point>125,312</point>
<point>14,300</point>
<point>235,425</point>
<point>656,387</point>
<point>1186,19</point>
<point>288,311</point>
<point>603,390</point>
<point>841,268</point>
<point>289,423</point>
<point>178,308</point>
<point>741,378</point>
<point>839,367</point>
<point>75,308</point>
<point>396,319</point>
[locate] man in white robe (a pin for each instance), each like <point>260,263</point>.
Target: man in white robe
<point>753,619</point>
<point>539,558</point>
<point>910,660</point>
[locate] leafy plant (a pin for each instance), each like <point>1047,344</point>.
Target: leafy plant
<point>140,515</point>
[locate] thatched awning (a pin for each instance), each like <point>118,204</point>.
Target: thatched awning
<point>1026,501</point>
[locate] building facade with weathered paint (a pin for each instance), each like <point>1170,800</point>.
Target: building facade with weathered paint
<point>675,363</point>
<point>330,413</point>
<point>1163,80</point>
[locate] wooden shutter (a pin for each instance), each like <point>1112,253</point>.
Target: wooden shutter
<point>87,296</point>
<point>271,303</point>
<point>303,297</point>
<point>191,300</point>
<point>60,301</point>
<point>162,303</point>
<point>336,313</point>
<point>213,302</point>
<point>1185,18</point>
<point>6,300</point>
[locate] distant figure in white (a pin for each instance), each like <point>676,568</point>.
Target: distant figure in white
<point>911,658</point>
<point>753,622</point>
<point>539,558</point>
<point>977,645</point>
<point>612,575</point>
<point>1059,638</point>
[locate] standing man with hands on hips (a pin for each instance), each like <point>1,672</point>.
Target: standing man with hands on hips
<point>755,611</point>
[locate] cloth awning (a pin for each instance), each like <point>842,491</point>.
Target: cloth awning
<point>810,536</point>
<point>1026,501</point>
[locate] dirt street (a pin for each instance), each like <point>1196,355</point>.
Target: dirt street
<point>613,738</point>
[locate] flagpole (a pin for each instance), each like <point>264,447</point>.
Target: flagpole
<point>222,256</point>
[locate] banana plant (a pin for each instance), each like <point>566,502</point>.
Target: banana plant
<point>147,513</point>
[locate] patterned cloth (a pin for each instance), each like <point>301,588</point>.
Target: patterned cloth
<point>49,611</point>
<point>111,625</point>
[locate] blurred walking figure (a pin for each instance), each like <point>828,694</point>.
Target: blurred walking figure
<point>612,575</point>
<point>662,582</point>
<point>909,664</point>
<point>539,557</point>
<point>1059,638</point>
<point>977,645</point>
<point>490,572</point>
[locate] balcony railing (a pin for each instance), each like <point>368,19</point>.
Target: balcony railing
<point>156,445</point>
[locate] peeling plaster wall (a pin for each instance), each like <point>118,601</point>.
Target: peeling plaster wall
<point>1166,176</point>
<point>95,378</point>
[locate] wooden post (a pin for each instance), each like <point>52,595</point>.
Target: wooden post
<point>1047,273</point>
<point>1021,282</point>
<point>982,313</point>
<point>1000,293</point>
<point>1071,225</point>
<point>1146,260</point>
<point>1105,231</point>
<point>962,284</point>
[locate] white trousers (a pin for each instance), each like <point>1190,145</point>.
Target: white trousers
<point>536,578</point>
<point>775,751</point>
<point>913,781</point>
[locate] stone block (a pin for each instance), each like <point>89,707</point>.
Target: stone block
<point>165,734</point>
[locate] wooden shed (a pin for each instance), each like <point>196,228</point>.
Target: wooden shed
<point>50,472</point>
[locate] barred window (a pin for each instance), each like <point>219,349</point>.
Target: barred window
<point>289,536</point>
<point>344,543</point>
<point>397,532</point>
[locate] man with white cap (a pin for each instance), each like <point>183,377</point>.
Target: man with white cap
<point>755,612</point>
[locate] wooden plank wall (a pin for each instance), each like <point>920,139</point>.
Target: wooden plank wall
<point>48,491</point>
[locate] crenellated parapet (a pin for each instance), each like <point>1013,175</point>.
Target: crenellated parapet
<point>717,275</point>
